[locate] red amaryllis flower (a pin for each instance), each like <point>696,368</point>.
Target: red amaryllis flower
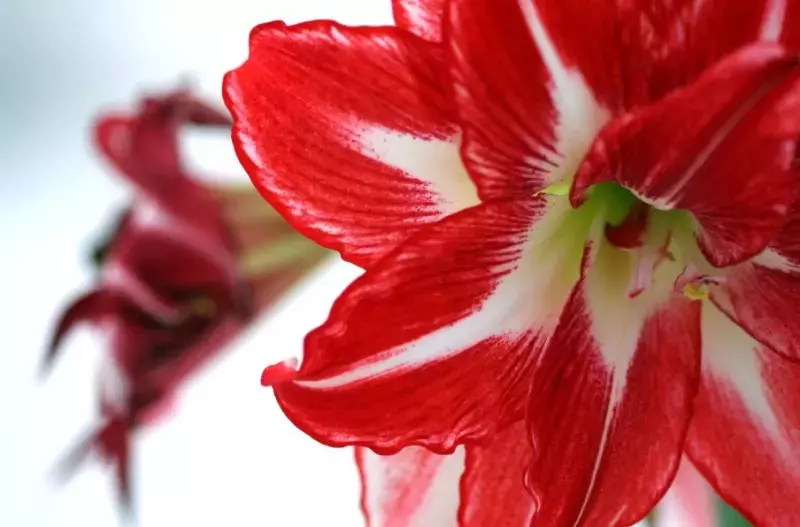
<point>185,270</point>
<point>561,207</point>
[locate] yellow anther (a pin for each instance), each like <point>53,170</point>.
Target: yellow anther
<point>695,291</point>
<point>202,306</point>
<point>556,189</point>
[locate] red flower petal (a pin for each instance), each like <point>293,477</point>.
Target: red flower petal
<point>612,398</point>
<point>743,436</point>
<point>528,120</point>
<point>348,133</point>
<point>492,488</point>
<point>763,297</point>
<point>536,79</point>
<point>721,148</point>
<point>435,344</point>
<point>421,17</point>
<point>90,307</point>
<point>413,488</point>
<point>144,146</point>
<point>790,34</point>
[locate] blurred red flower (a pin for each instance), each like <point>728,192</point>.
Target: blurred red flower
<point>186,268</point>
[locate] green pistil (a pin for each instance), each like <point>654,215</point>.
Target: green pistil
<point>617,200</point>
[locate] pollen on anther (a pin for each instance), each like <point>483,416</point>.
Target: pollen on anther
<point>695,291</point>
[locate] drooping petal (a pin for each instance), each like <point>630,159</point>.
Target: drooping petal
<point>90,307</point>
<point>348,133</point>
<point>421,17</point>
<point>721,148</point>
<point>493,485</point>
<point>111,441</point>
<point>612,393</point>
<point>690,501</point>
<point>413,488</point>
<point>435,344</point>
<point>143,145</point>
<point>743,436</point>
<point>528,119</point>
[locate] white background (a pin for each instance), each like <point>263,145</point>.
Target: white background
<point>227,456</point>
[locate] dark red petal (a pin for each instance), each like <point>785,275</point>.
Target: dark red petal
<point>413,488</point>
<point>743,436</point>
<point>90,307</point>
<point>348,133</point>
<point>112,443</point>
<point>154,256</point>
<point>435,344</point>
<point>721,148</point>
<point>612,399</point>
<point>527,120</point>
<point>421,17</point>
<point>144,146</point>
<point>790,35</point>
<point>493,485</point>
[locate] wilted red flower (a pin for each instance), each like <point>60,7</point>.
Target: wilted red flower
<point>561,207</point>
<point>185,270</point>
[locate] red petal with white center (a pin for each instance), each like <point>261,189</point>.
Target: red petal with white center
<point>413,488</point>
<point>493,485</point>
<point>348,133</point>
<point>528,119</point>
<point>537,79</point>
<point>743,436</point>
<point>721,148</point>
<point>421,17</point>
<point>690,501</point>
<point>763,297</point>
<point>435,344</point>
<point>612,394</point>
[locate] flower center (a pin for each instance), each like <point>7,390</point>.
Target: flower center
<point>652,237</point>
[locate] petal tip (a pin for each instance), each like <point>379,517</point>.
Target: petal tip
<point>280,373</point>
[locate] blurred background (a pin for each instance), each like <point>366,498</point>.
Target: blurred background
<point>227,455</point>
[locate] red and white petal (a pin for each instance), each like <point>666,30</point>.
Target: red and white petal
<point>435,344</point>
<point>493,485</point>
<point>348,132</point>
<point>612,393</point>
<point>412,488</point>
<point>536,80</point>
<point>763,297</point>
<point>776,23</point>
<point>528,117</point>
<point>690,501</point>
<point>743,436</point>
<point>421,17</point>
<point>721,148</point>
